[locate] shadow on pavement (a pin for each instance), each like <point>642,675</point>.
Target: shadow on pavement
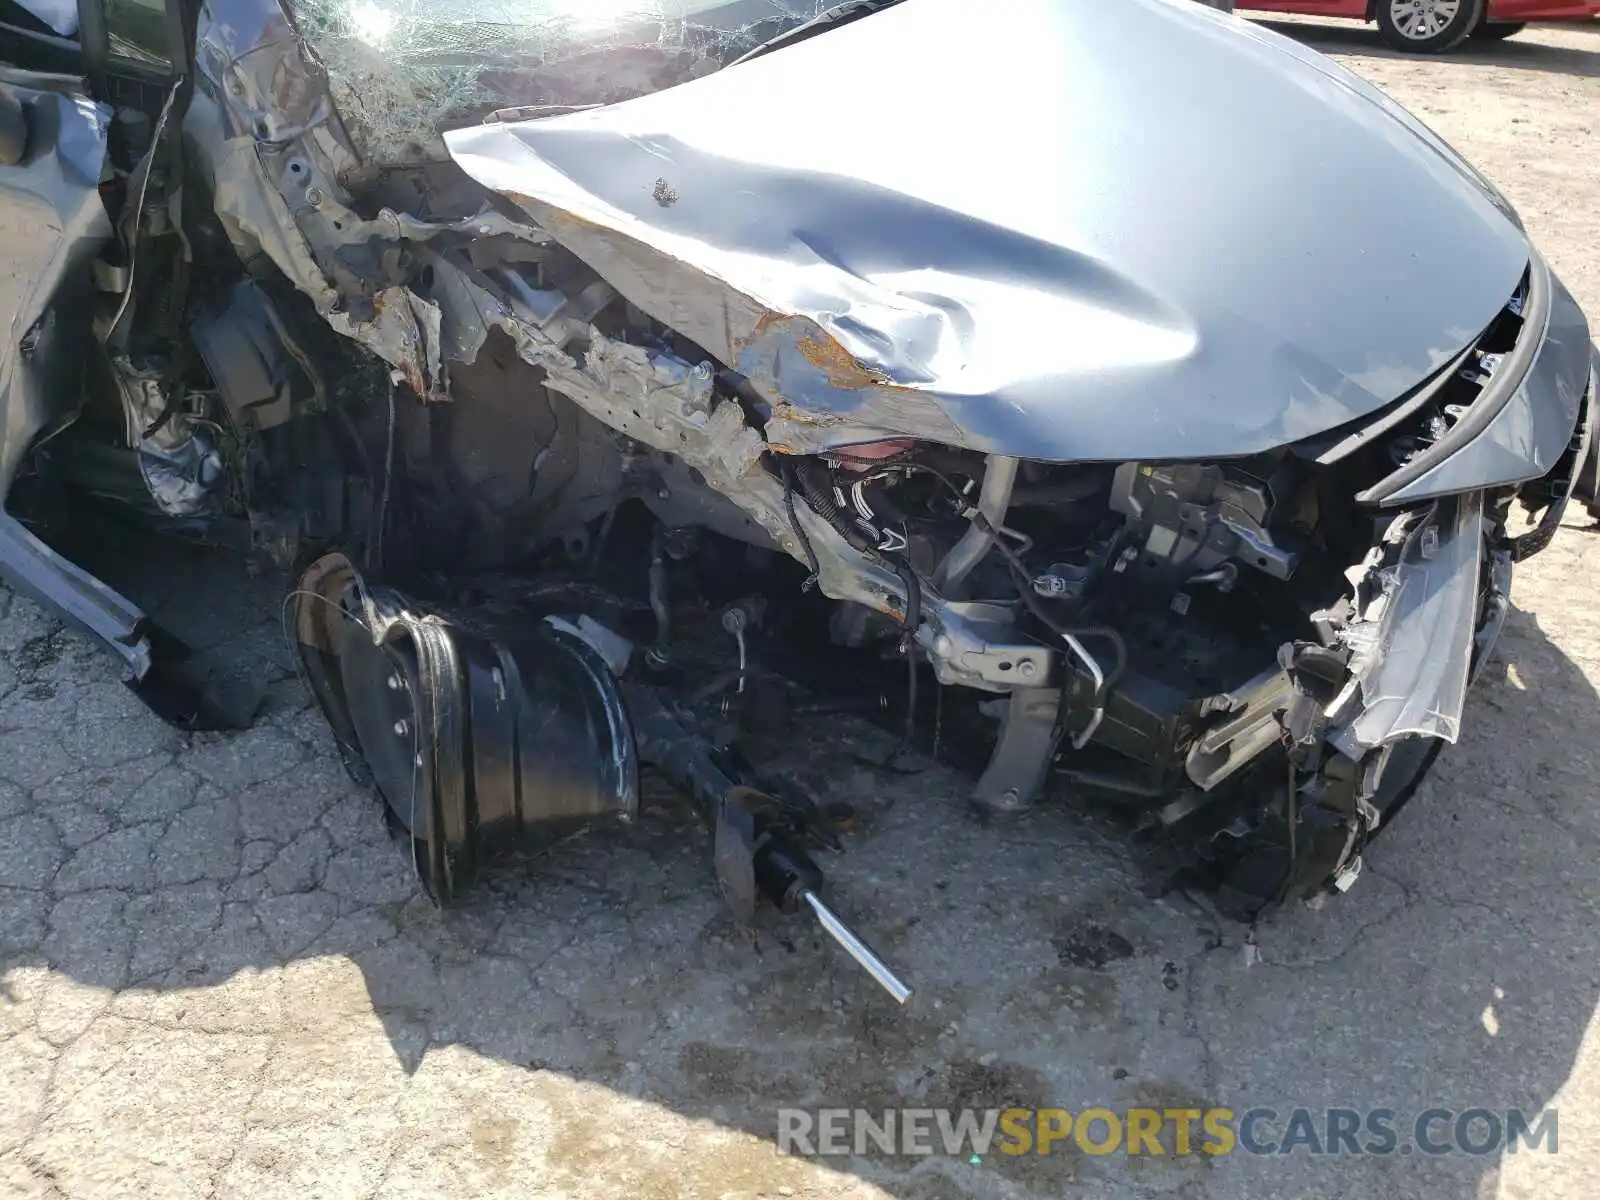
<point>212,881</point>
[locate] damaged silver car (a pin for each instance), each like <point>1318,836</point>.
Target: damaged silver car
<point>1119,394</point>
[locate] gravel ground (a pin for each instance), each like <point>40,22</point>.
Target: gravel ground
<point>217,977</point>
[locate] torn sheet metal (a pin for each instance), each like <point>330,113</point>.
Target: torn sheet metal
<point>663,402</point>
<point>877,251</point>
<point>1412,644</point>
<point>282,168</point>
<point>404,332</point>
<point>268,138</point>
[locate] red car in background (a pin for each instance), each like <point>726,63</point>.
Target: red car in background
<point>1432,26</point>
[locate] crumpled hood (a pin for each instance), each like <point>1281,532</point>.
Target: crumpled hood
<point>1060,229</point>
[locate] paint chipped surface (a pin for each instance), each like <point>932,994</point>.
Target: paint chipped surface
<point>834,361</point>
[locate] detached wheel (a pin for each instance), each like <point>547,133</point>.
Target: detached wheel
<point>1427,26</point>
<point>1498,31</point>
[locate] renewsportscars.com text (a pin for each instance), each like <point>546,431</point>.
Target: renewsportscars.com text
<point>977,1133</point>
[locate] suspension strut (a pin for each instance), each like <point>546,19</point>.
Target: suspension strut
<point>754,849</point>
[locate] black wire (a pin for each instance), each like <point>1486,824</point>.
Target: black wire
<point>375,549</point>
<point>799,530</point>
<point>910,732</point>
<point>960,493</point>
<point>167,413</point>
<point>913,586</point>
<point>1292,808</point>
<point>913,618</point>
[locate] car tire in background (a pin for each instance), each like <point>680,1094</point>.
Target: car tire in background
<point>1587,489</point>
<point>1498,31</point>
<point>1428,26</point>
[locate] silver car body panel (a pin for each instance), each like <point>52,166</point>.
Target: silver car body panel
<point>1157,234</point>
<point>1531,431</point>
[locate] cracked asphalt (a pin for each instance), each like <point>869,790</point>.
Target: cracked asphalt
<point>218,977</point>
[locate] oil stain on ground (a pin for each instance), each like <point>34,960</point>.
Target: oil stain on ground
<point>1090,945</point>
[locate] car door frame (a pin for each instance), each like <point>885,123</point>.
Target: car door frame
<point>37,398</point>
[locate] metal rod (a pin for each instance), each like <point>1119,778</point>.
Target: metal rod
<point>994,499</point>
<point>1081,740</point>
<point>857,949</point>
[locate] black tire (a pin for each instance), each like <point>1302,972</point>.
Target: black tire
<point>1498,31</point>
<point>1409,764</point>
<point>1427,26</point>
<point>1587,491</point>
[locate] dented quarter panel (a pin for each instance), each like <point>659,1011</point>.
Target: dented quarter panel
<point>1133,230</point>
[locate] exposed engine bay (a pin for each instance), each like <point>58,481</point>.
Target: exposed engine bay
<point>560,514</point>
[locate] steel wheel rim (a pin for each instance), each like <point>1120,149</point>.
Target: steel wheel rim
<point>1420,20</point>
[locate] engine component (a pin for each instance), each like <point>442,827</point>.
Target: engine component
<point>1191,518</point>
<point>1250,727</point>
<point>179,462</point>
<point>1065,581</point>
<point>481,740</point>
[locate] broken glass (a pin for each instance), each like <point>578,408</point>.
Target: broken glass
<point>404,71</point>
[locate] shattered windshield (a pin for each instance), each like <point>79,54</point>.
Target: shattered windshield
<point>403,71</point>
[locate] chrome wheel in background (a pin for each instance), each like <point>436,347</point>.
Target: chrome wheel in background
<point>1427,26</point>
